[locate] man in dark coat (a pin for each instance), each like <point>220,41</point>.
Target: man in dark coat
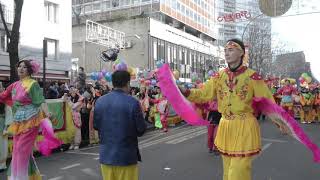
<point>119,120</point>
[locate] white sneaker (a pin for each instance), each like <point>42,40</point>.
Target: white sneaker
<point>71,147</point>
<point>76,147</point>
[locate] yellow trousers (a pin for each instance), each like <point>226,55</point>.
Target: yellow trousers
<point>236,168</point>
<point>120,172</point>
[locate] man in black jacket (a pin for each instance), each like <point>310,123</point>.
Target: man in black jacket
<point>119,120</point>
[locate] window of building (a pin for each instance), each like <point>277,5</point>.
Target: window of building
<point>87,8</point>
<point>96,7</point>
<point>51,11</point>
<point>3,41</point>
<point>155,50</point>
<point>52,48</point>
<point>161,50</point>
<point>178,6</point>
<point>79,1</point>
<point>124,2</point>
<point>169,54</point>
<point>183,9</point>
<point>187,12</point>
<point>174,4</point>
<point>105,5</point>
<point>191,14</point>
<point>87,1</point>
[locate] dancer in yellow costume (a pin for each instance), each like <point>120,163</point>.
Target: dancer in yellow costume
<point>238,138</point>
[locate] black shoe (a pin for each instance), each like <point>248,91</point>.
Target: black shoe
<point>2,170</point>
<point>210,151</point>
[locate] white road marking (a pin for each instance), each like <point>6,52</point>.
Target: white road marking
<point>82,153</point>
<point>174,136</point>
<point>90,172</point>
<point>71,166</point>
<point>274,140</point>
<point>187,137</point>
<point>145,140</point>
<point>266,146</point>
<point>158,133</point>
<point>96,158</point>
<point>56,178</point>
<point>95,146</point>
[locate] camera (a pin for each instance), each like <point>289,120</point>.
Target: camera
<point>110,54</point>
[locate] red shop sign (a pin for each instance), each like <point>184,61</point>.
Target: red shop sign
<point>234,16</point>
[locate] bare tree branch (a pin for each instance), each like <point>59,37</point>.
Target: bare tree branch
<point>4,22</point>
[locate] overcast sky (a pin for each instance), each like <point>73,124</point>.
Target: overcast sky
<point>301,33</point>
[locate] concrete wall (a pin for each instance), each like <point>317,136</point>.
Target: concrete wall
<point>136,56</point>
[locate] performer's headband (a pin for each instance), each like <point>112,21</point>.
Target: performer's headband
<point>232,44</point>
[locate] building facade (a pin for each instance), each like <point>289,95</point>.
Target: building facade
<point>41,20</point>
<point>235,18</point>
<point>291,65</point>
<point>179,32</point>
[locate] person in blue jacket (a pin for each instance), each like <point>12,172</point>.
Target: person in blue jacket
<point>119,121</point>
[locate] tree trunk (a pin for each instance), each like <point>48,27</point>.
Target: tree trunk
<point>14,59</point>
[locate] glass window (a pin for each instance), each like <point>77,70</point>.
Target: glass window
<point>191,14</point>
<point>86,1</point>
<point>52,48</point>
<point>178,6</point>
<point>87,8</point>
<point>187,12</point>
<point>169,54</point>
<point>105,5</point>
<point>174,4</point>
<point>3,42</point>
<point>161,50</point>
<point>183,9</point>
<point>143,1</point>
<point>124,2</point>
<point>51,10</point>
<point>96,6</point>
<point>155,49</point>
<point>79,1</point>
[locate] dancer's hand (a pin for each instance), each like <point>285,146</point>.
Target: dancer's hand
<point>49,115</point>
<point>284,129</point>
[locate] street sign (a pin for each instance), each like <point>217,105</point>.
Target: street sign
<point>103,35</point>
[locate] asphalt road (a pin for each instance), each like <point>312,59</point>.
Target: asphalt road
<point>181,154</point>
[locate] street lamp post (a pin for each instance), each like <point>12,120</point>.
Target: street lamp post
<point>251,20</point>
